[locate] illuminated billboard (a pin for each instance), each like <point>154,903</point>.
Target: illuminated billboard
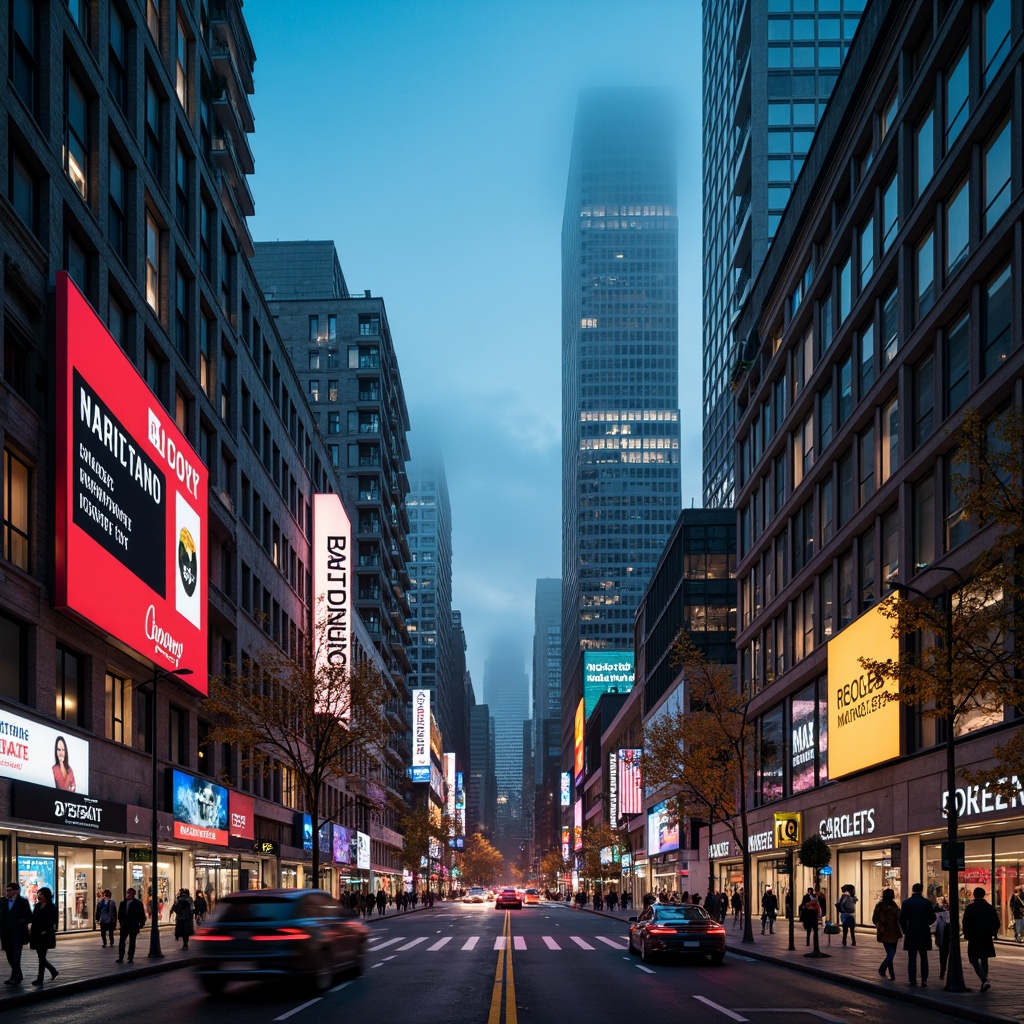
<point>241,815</point>
<point>332,560</point>
<point>36,753</point>
<point>863,713</point>
<point>420,735</point>
<point>631,796</point>
<point>449,781</point>
<point>362,851</point>
<point>577,827</point>
<point>578,743</point>
<point>341,844</point>
<point>200,809</point>
<point>662,832</point>
<point>606,672</point>
<point>132,501</point>
<point>565,790</point>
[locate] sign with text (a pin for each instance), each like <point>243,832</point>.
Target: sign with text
<point>662,832</point>
<point>362,851</point>
<point>131,501</point>
<point>787,829</point>
<point>341,844</point>
<point>606,672</point>
<point>421,734</point>
<point>34,752</point>
<point>70,810</point>
<point>631,795</point>
<point>241,815</point>
<point>332,593</point>
<point>200,809</point>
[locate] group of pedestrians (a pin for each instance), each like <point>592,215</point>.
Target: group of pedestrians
<point>23,925</point>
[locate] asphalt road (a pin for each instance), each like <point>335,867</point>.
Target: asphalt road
<point>546,964</point>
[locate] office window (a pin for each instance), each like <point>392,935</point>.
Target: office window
<point>205,377</point>
<point>844,503</point>
<point>332,391</point>
<point>16,509</point>
<point>314,390</point>
<point>314,328</point>
<point>827,328</point>
<point>997,177</point>
<point>24,191</point>
<point>153,19</point>
<point>866,547</point>
<point>958,103</point>
<point>117,321</point>
<point>996,340</point>
<point>25,52</point>
<point>13,659</point>
<point>846,605</point>
<point>152,263</point>
<point>76,135</point>
<point>827,591</point>
<point>182,163</point>
<point>924,522</point>
<point>867,464</point>
<point>181,65</point>
<point>924,400</point>
<point>206,223</point>
<point>334,423</point>
<point>845,288</point>
<point>153,145</point>
<point>70,686</point>
<point>117,718</point>
<point>957,525</point>
<point>924,269</point>
<point>995,28</point>
<point>957,363</point>
<point>80,15</point>
<point>890,548</point>
<point>924,153</point>
<point>867,252</point>
<point>76,259</point>
<point>117,58</point>
<point>225,370</point>
<point>181,317</point>
<point>826,417</point>
<point>890,327</point>
<point>867,360</point>
<point>332,327</point>
<point>890,439</point>
<point>827,509</point>
<point>117,205</point>
<point>890,212</point>
<point>958,226</point>
<point>152,366</point>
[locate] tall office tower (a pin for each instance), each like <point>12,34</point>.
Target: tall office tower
<point>769,69</point>
<point>430,593</point>
<point>480,795</point>
<point>341,348</point>
<point>547,650</point>
<point>620,387</point>
<point>462,687</point>
<point>506,692</point>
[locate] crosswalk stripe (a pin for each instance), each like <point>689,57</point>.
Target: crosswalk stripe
<point>390,942</point>
<point>409,945</point>
<point>519,942</point>
<point>579,942</point>
<point>471,942</point>
<point>550,943</point>
<point>440,942</point>
<point>611,942</point>
<point>499,943</point>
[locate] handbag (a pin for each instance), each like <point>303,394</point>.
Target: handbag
<point>831,928</point>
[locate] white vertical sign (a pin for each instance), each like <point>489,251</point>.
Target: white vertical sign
<point>332,562</point>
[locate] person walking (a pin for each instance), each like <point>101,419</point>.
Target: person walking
<point>847,907</point>
<point>15,916</point>
<point>711,904</point>
<point>736,902</point>
<point>769,910</point>
<point>917,915</point>
<point>810,915</point>
<point>44,931</point>
<point>106,915</point>
<point>201,908</point>
<point>382,901</point>
<point>886,919</point>
<point>942,933</point>
<point>184,911</point>
<point>980,928</point>
<point>1017,910</point>
<point>612,900</point>
<point>131,917</point>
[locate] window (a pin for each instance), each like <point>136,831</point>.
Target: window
<point>867,569</point>
<point>13,659</point>
<point>890,439</point>
<point>152,263</point>
<point>958,526</point>
<point>117,718</point>
<point>924,153</point>
<point>996,340</point>
<point>958,226</point>
<point>332,327</point>
<point>828,597</point>
<point>924,522</point>
<point>23,189</point>
<point>924,268</point>
<point>867,464</point>
<point>314,328</point>
<point>890,213</point>
<point>827,508</point>
<point>70,686</point>
<point>888,118</point>
<point>117,59</point>
<point>224,382</point>
<point>152,365</point>
<point>827,328</point>
<point>995,27</point>
<point>826,417</point>
<point>153,133</point>
<point>182,164</point>
<point>181,66</point>
<point>997,177</point>
<point>16,510</point>
<point>117,321</point>
<point>924,400</point>
<point>76,259</point>
<point>845,288</point>
<point>845,589</point>
<point>867,359</point>
<point>206,223</point>
<point>845,497</point>
<point>890,548</point>
<point>334,423</point>
<point>332,391</point>
<point>76,135</point>
<point>204,748</point>
<point>153,19</point>
<point>958,104</point>
<point>25,47</point>
<point>181,317</point>
<point>205,377</point>
<point>314,390</point>
<point>867,252</point>
<point>957,363</point>
<point>117,205</point>
<point>890,327</point>
<point>177,735</point>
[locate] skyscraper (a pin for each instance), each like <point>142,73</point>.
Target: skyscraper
<point>769,70</point>
<point>620,390</point>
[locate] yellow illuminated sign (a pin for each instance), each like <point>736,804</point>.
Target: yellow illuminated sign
<point>863,713</point>
<point>580,722</point>
<point>787,829</point>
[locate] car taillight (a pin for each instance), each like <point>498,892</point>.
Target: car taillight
<point>662,931</point>
<point>281,935</point>
<point>207,937</point>
<point>717,930</point>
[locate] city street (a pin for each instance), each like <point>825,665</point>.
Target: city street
<point>543,964</point>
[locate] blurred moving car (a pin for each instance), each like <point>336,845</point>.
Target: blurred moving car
<point>531,896</point>
<point>273,934</point>
<point>508,898</point>
<point>679,930</point>
<point>474,895</point>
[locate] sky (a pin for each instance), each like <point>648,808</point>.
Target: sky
<point>430,139</point>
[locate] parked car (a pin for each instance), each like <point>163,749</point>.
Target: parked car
<point>508,898</point>
<point>531,896</point>
<point>474,895</point>
<point>275,934</point>
<point>669,929</point>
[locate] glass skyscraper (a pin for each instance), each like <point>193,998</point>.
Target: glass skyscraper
<point>769,69</point>
<point>620,379</point>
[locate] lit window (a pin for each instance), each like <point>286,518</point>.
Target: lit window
<point>16,517</point>
<point>152,264</point>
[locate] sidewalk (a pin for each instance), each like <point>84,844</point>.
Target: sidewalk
<point>84,964</point>
<point>857,967</point>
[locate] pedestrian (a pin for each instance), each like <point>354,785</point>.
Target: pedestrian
<point>382,901</point>
<point>612,901</point>
<point>810,915</point>
<point>736,902</point>
<point>201,908</point>
<point>131,917</point>
<point>184,911</point>
<point>769,910</point>
<point>597,900</point>
<point>106,914</point>
<point>886,919</point>
<point>1017,910</point>
<point>847,907</point>
<point>917,915</point>
<point>942,932</point>
<point>981,927</point>
<point>44,931</point>
<point>15,916</point>
<point>711,904</point>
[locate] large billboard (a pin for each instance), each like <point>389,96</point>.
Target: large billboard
<point>606,672</point>
<point>332,593</point>
<point>578,728</point>
<point>200,809</point>
<point>863,713</point>
<point>420,735</point>
<point>449,781</point>
<point>631,795</point>
<point>662,832</point>
<point>131,501</point>
<point>37,753</point>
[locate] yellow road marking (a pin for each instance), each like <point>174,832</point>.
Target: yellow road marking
<point>503,980</point>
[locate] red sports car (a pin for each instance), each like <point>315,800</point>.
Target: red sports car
<point>508,898</point>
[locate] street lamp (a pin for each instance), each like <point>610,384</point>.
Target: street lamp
<point>155,953</point>
<point>955,968</point>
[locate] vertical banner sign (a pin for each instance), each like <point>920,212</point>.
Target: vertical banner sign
<point>132,501</point>
<point>332,632</point>
<point>420,735</point>
<point>565,844</point>
<point>449,781</point>
<point>565,790</point>
<point>613,789</point>
<point>578,743</point>
<point>631,797</point>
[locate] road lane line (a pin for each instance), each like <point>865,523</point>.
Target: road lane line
<point>409,945</point>
<point>519,941</point>
<point>499,943</point>
<point>390,942</point>
<point>579,942</point>
<point>338,988</point>
<point>304,1006</point>
<point>510,985</point>
<point>471,942</point>
<point>610,942</point>
<point>440,942</point>
<point>791,1011</point>
<point>720,1009</point>
<point>646,970</point>
<point>550,942</point>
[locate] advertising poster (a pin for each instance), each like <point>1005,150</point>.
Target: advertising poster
<point>36,753</point>
<point>420,735</point>
<point>332,560</point>
<point>341,844</point>
<point>577,826</point>
<point>565,790</point>
<point>606,672</point>
<point>662,833</point>
<point>131,501</point>
<point>200,809</point>
<point>578,729</point>
<point>631,797</point>
<point>33,874</point>
<point>242,815</point>
<point>362,851</point>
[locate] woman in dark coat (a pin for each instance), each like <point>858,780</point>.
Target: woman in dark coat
<point>43,937</point>
<point>184,916</point>
<point>981,926</point>
<point>886,920</point>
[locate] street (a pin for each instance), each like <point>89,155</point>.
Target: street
<point>545,964</point>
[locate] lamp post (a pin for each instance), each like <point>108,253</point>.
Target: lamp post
<point>955,968</point>
<point>155,953</point>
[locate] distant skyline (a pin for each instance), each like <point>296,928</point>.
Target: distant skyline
<point>430,141</point>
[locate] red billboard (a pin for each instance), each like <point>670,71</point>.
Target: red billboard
<point>131,501</point>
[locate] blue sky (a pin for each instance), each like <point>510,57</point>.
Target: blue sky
<point>429,139</point>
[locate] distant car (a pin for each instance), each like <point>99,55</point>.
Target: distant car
<point>508,898</point>
<point>278,934</point>
<point>670,929</point>
<point>475,895</point>
<point>531,896</point>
